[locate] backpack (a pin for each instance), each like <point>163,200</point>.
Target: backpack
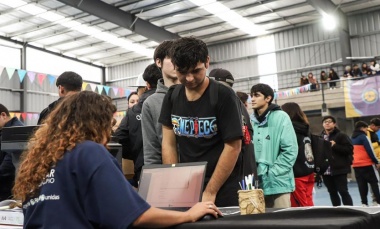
<point>247,150</point>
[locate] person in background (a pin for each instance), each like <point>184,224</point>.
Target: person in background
<point>141,85</point>
<point>335,177</point>
<point>225,77</point>
<point>324,79</point>
<point>333,76</point>
<point>215,135</point>
<point>304,166</point>
<point>364,159</point>
<point>314,82</point>
<point>79,179</point>
<point>275,145</point>
<point>243,98</point>
<point>132,99</point>
<point>151,128</point>
<point>68,83</point>
<point>373,128</point>
<point>129,132</point>
<point>366,70</point>
<point>347,72</point>
<point>303,80</point>
<point>375,68</point>
<point>356,72</point>
<point>7,169</point>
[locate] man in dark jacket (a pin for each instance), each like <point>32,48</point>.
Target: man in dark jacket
<point>67,83</point>
<point>335,177</point>
<point>249,162</point>
<point>129,131</point>
<point>7,169</point>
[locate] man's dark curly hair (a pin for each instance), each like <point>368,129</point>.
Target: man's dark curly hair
<point>264,89</point>
<point>187,52</point>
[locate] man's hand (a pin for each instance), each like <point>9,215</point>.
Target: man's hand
<point>208,197</point>
<point>378,166</point>
<point>332,143</point>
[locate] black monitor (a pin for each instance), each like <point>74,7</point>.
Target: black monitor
<point>15,139</point>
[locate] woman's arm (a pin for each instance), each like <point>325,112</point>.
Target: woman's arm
<point>158,218</point>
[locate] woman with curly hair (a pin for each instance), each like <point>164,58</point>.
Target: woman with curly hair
<point>68,179</point>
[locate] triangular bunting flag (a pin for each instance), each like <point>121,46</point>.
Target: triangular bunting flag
<point>115,90</point>
<point>29,115</point>
<point>36,116</point>
<point>32,76</point>
<point>107,89</point>
<point>100,89</point>
<point>18,115</point>
<point>93,86</point>
<point>41,77</point>
<point>84,85</point>
<point>1,70</point>
<point>21,74</point>
<point>11,114</point>
<point>127,92</point>
<point>10,72</point>
<point>121,92</point>
<point>51,79</point>
<point>23,115</point>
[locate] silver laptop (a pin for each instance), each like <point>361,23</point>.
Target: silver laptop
<point>172,186</point>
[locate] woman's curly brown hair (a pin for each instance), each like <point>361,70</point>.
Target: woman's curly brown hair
<point>78,117</point>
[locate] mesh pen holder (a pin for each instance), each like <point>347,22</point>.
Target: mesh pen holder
<point>251,201</point>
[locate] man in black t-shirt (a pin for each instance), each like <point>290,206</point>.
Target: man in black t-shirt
<point>204,127</point>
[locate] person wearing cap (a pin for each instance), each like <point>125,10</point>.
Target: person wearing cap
<point>129,132</point>
<point>225,77</point>
<point>204,129</point>
<point>141,85</point>
<point>151,128</point>
<point>364,162</point>
<point>67,83</point>
<point>335,177</point>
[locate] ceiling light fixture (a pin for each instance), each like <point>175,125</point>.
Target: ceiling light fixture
<point>230,16</point>
<point>329,22</point>
<point>51,16</point>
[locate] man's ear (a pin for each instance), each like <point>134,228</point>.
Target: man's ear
<point>268,98</point>
<point>158,63</point>
<point>207,64</point>
<point>61,90</point>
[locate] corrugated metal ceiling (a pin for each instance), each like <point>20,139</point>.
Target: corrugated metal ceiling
<point>181,17</point>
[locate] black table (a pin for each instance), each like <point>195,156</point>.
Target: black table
<point>326,218</point>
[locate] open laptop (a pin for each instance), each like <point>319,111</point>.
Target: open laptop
<point>172,186</point>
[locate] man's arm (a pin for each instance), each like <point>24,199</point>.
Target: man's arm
<point>152,146</point>
<point>288,149</point>
<point>223,169</point>
<point>343,144</point>
<point>169,146</point>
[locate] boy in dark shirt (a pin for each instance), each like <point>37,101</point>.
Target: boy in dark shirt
<point>204,130</point>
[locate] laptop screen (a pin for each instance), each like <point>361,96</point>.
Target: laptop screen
<point>177,185</point>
